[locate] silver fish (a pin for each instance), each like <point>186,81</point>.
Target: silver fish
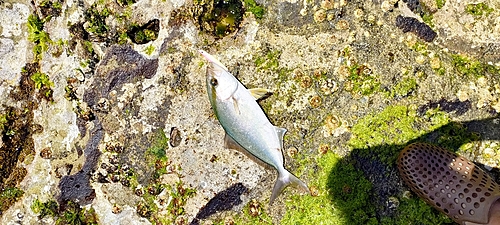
<point>247,127</point>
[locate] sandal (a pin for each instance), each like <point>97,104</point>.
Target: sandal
<point>450,183</point>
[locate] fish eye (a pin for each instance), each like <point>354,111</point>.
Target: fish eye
<point>214,82</point>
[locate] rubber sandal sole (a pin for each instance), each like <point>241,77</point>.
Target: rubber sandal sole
<point>450,183</point>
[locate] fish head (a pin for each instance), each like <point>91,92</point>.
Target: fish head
<point>220,83</point>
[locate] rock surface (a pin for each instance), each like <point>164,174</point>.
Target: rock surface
<point>104,110</point>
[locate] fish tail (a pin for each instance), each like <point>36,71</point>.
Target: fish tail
<point>284,180</point>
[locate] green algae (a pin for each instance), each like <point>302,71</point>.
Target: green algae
<point>42,83</point>
<point>269,61</point>
<point>9,196</point>
<point>72,213</point>
<point>96,19</point>
<point>478,9</point>
<point>440,3</point>
<point>157,156</point>
<point>149,50</point>
<point>257,10</point>
<point>471,68</point>
<point>49,208</point>
<point>38,36</point>
<point>361,80</point>
<point>405,87</point>
<point>343,193</point>
<point>342,198</point>
<point>415,211</point>
<point>392,128</point>
<point>219,17</point>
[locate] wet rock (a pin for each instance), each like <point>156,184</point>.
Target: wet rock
<point>410,24</point>
<point>120,65</point>
<point>145,33</point>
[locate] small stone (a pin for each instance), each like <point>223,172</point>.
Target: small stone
<point>306,82</point>
<point>314,191</point>
<point>435,63</point>
<point>46,153</point>
<point>315,101</point>
<point>359,13</point>
<point>292,151</point>
<point>330,17</point>
<point>420,59</point>
<point>342,25</point>
<point>323,149</point>
<point>386,6</point>
<point>175,137</point>
<point>371,19</point>
<point>392,202</point>
<point>116,209</point>
<point>327,4</point>
<point>482,81</point>
<point>319,16</point>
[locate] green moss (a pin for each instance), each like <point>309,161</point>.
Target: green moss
<point>427,18</point>
<point>96,19</point>
<point>220,17</point>
<point>269,61</point>
<point>478,9</point>
<point>404,87</point>
<point>41,80</point>
<point>440,3</point>
<point>3,121</point>
<point>43,84</point>
<point>420,47</point>
<point>257,10</point>
<point>343,196</point>
<point>88,46</point>
<point>361,80</point>
<point>149,50</point>
<point>389,130</point>
<point>123,38</point>
<point>10,194</point>
<point>416,211</point>
<point>76,215</point>
<point>440,71</point>
<point>72,213</point>
<point>125,2</point>
<point>36,35</point>
<point>472,68</point>
<point>49,208</point>
<point>179,194</point>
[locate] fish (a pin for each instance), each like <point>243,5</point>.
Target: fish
<point>247,127</point>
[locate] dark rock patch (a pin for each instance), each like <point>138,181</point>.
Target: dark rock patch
<point>410,24</point>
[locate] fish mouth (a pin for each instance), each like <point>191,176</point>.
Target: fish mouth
<point>212,59</point>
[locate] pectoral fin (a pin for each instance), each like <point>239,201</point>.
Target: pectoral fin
<point>260,93</point>
<point>236,108</point>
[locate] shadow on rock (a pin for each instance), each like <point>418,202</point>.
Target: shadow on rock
<point>223,201</point>
<point>366,187</point>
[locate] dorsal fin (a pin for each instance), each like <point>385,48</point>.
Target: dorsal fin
<point>260,93</point>
<point>281,133</point>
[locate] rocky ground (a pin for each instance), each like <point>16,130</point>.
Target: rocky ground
<point>105,119</point>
